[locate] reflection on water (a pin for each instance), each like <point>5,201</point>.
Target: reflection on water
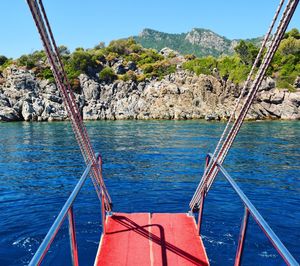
<point>150,166</point>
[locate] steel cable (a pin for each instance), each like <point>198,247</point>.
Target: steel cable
<point>63,84</point>
<point>211,171</point>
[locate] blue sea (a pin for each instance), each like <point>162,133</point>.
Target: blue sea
<point>149,166</point>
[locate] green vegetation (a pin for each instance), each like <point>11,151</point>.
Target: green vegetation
<point>247,52</point>
<point>138,63</point>
<point>201,65</point>
<point>107,74</point>
<point>286,63</point>
<point>3,59</point>
<point>4,62</point>
<point>46,73</point>
<point>229,67</point>
<point>285,66</point>
<point>179,42</point>
<point>130,75</point>
<point>99,62</point>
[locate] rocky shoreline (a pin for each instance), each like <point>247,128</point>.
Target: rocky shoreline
<point>181,95</point>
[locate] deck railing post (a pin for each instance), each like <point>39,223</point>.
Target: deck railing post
<point>240,248</point>
<point>201,206</point>
<point>72,234</point>
<point>203,194</point>
<point>103,211</point>
<point>207,160</point>
<point>103,214</point>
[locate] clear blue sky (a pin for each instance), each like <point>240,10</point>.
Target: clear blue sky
<point>84,23</point>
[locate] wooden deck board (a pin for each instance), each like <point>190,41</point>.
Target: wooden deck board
<point>145,239</point>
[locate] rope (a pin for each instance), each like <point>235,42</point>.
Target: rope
<point>40,18</point>
<point>211,166</point>
<point>246,84</point>
<point>83,132</point>
<point>275,44</point>
<point>221,151</point>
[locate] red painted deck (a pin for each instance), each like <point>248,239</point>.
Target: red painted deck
<point>151,239</point>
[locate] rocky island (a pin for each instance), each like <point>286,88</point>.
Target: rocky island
<point>127,81</point>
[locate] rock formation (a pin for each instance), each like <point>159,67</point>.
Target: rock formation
<point>181,95</point>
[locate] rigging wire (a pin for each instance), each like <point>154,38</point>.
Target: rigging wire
<point>225,143</point>
<point>39,15</point>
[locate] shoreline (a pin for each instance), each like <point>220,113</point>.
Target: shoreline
<point>182,95</point>
<point>150,120</point>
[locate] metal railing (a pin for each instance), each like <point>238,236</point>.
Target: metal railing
<point>67,210</point>
<point>249,209</point>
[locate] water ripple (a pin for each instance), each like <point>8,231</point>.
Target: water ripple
<point>150,166</point>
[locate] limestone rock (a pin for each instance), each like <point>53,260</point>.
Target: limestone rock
<point>180,95</point>
<point>4,102</point>
<point>166,52</point>
<point>267,84</point>
<point>38,106</point>
<point>212,117</point>
<point>28,111</point>
<point>8,114</point>
<point>20,79</point>
<point>90,88</point>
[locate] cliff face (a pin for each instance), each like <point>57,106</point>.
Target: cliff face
<point>209,40</point>
<point>181,95</point>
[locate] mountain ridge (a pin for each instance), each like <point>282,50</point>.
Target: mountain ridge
<point>198,41</point>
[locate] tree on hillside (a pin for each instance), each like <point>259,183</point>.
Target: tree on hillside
<point>3,59</point>
<point>247,52</point>
<point>80,60</point>
<point>290,45</point>
<point>27,61</point>
<point>63,50</point>
<point>100,45</point>
<point>107,74</point>
<point>292,33</point>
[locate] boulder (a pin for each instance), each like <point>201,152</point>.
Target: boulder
<point>267,84</point>
<point>8,114</point>
<point>91,112</point>
<point>4,102</point>
<point>20,79</point>
<point>38,106</point>
<point>28,111</point>
<point>294,98</point>
<point>212,117</point>
<point>277,96</point>
<point>167,52</point>
<point>18,106</point>
<point>90,88</point>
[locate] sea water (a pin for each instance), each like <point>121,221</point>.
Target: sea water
<point>149,166</point>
